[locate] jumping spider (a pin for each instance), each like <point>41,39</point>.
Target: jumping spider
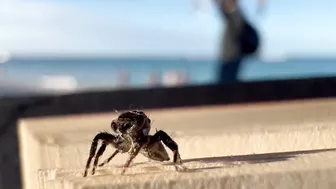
<point>131,134</point>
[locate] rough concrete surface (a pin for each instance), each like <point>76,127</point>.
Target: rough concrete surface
<point>280,145</point>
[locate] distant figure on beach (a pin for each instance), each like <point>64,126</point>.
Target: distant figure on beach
<point>174,78</point>
<point>123,78</point>
<point>153,79</point>
<point>240,40</point>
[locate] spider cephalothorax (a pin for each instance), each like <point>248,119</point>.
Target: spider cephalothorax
<point>131,122</point>
<point>131,134</point>
<point>131,125</point>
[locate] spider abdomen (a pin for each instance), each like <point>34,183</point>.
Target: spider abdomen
<point>155,151</point>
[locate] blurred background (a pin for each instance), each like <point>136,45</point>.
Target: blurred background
<point>68,46</point>
<point>63,45</point>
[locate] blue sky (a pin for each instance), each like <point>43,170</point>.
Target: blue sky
<point>159,27</point>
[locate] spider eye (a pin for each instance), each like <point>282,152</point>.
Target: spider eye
<point>113,125</point>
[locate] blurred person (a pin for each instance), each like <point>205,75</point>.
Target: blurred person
<point>171,78</point>
<point>153,79</point>
<point>184,78</point>
<point>123,78</point>
<point>240,40</point>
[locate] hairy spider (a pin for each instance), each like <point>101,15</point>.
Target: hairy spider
<point>131,135</point>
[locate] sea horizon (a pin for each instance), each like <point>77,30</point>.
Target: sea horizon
<point>84,72</point>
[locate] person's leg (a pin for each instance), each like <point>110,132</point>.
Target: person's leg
<point>228,71</point>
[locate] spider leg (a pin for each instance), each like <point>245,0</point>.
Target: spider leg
<point>99,153</point>
<point>172,145</point>
<point>133,154</point>
<point>107,138</point>
<point>109,159</point>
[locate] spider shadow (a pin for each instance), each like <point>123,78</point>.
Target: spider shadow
<point>232,161</point>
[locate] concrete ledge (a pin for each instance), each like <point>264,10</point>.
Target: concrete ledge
<point>308,170</point>
<point>54,149</point>
<point>24,105</point>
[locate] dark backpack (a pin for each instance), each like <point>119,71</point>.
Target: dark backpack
<point>249,39</point>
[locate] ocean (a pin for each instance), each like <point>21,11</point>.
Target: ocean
<point>102,72</point>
